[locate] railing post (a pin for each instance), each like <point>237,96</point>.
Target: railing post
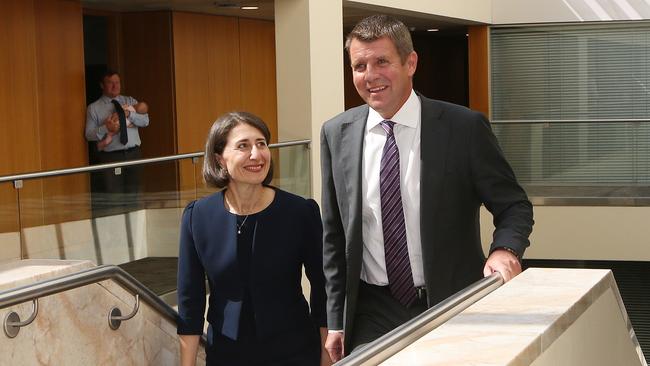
<point>18,184</point>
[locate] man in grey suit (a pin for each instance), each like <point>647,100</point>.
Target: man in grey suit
<point>404,177</point>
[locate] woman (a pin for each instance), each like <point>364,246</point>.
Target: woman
<point>251,240</point>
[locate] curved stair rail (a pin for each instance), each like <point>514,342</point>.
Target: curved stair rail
<point>402,336</point>
<point>34,291</point>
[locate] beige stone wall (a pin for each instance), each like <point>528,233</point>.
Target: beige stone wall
<point>589,233</point>
<point>71,327</point>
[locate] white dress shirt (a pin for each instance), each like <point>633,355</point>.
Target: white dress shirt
<point>407,135</point>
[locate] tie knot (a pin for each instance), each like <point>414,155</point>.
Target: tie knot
<point>387,126</point>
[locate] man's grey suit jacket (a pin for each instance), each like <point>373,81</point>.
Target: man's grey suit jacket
<point>462,167</point>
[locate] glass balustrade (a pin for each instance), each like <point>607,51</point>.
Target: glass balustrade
<point>9,223</point>
<point>74,216</point>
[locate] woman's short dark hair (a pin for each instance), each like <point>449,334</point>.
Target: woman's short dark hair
<point>214,174</point>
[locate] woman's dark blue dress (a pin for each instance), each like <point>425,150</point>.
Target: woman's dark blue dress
<point>257,313</point>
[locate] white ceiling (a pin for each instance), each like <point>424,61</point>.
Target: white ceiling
<point>351,12</point>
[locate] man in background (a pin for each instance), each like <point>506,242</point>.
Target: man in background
<point>113,123</point>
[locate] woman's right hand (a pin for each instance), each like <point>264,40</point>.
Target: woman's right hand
<point>189,349</point>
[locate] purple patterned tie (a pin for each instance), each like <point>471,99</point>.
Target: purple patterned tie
<point>398,265</point>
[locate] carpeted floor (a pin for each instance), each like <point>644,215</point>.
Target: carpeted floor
<point>157,273</point>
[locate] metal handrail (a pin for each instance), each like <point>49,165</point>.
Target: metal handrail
<point>396,340</point>
<point>94,168</point>
<point>82,278</point>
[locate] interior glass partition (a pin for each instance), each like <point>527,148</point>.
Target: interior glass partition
<point>70,215</point>
<point>9,223</point>
<point>570,105</point>
<point>292,172</point>
<point>580,160</point>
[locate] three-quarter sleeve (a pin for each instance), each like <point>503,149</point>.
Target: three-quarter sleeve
<point>314,264</point>
<point>191,280</point>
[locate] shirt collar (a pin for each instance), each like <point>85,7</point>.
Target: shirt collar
<point>108,99</point>
<point>408,115</point>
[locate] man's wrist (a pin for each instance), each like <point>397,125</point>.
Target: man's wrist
<point>509,250</point>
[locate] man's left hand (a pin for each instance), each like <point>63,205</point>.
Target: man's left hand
<point>504,262</point>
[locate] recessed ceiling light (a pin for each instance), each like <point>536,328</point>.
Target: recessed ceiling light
<point>226,5</point>
<point>433,30</point>
<point>250,7</point>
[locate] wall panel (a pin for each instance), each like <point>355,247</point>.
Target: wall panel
<point>148,76</point>
<point>479,94</point>
<point>42,99</point>
<point>207,74</point>
<point>19,140</point>
<point>258,84</point>
<point>207,80</point>
<point>257,59</point>
<point>61,107</point>
<point>18,94</point>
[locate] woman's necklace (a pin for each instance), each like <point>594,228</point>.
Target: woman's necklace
<point>239,226</point>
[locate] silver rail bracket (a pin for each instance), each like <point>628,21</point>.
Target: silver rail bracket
<point>115,317</point>
<point>18,184</point>
<point>118,171</point>
<point>195,160</point>
<point>12,323</point>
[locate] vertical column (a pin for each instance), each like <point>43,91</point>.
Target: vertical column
<point>309,59</point>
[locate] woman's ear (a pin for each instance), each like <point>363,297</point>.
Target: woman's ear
<point>220,160</point>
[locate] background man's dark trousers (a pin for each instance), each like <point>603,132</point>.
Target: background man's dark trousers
<point>114,194</point>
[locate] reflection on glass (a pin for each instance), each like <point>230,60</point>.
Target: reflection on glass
<point>136,226</point>
<point>292,170</point>
<point>77,217</point>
